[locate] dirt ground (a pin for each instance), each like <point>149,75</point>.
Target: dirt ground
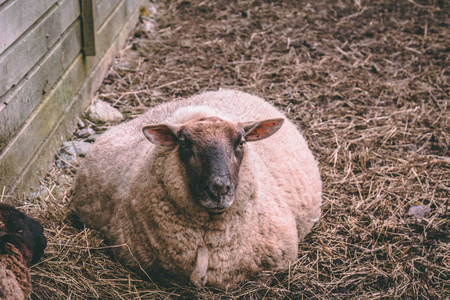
<point>367,84</point>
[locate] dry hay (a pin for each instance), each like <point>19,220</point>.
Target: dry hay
<point>366,81</point>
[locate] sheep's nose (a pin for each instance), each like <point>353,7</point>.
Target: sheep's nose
<point>220,186</point>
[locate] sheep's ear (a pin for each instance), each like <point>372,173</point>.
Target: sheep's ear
<point>255,131</point>
<point>161,134</point>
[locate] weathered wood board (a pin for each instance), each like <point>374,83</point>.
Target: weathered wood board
<point>49,79</point>
<point>17,16</point>
<point>69,11</point>
<point>26,96</point>
<point>107,33</point>
<point>29,49</point>
<point>104,9</point>
<point>40,124</point>
<point>88,27</point>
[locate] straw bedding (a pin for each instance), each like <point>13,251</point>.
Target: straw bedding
<point>367,84</point>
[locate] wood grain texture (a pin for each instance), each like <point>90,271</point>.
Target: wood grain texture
<point>107,33</point>
<point>25,52</point>
<point>70,10</point>
<point>32,89</point>
<point>40,124</point>
<point>87,17</point>
<point>18,16</point>
<point>104,8</point>
<point>26,156</point>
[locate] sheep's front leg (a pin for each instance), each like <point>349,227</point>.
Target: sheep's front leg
<point>198,276</point>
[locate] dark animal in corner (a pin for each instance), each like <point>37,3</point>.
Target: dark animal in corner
<point>22,243</point>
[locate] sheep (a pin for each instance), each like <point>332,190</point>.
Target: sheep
<point>15,280</point>
<point>22,244</point>
<point>211,200</point>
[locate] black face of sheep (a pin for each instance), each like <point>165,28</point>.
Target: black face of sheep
<point>211,150</point>
<point>22,231</point>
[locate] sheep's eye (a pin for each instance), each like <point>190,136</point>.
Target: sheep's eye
<point>241,143</point>
<point>182,141</point>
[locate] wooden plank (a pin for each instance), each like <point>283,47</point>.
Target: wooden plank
<point>71,43</point>
<point>69,12</point>
<point>102,67</point>
<point>24,54</point>
<point>18,16</point>
<point>112,25</point>
<point>103,10</point>
<point>88,21</point>
<point>23,147</point>
<point>39,162</point>
<point>26,96</point>
<point>107,33</point>
<point>3,141</point>
<point>133,6</point>
<point>45,156</point>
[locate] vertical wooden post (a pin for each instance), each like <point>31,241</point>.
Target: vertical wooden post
<point>88,26</point>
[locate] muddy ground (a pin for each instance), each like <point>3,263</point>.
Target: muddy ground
<point>367,84</point>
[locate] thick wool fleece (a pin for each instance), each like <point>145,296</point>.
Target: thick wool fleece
<point>15,279</point>
<point>136,193</point>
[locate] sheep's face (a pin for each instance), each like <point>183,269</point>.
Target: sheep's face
<point>211,151</point>
<point>23,232</point>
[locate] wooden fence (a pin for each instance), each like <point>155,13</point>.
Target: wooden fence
<point>53,56</point>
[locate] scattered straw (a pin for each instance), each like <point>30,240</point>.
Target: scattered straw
<point>367,83</point>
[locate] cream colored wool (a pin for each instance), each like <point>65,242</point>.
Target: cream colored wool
<point>136,194</point>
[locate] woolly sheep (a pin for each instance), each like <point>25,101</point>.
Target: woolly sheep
<point>22,243</point>
<point>182,209</point>
<point>15,280</point>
